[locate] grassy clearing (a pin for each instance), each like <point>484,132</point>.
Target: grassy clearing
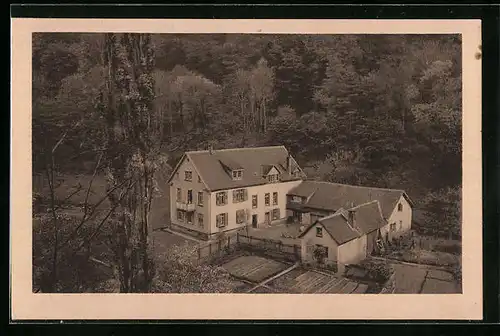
<point>426,257</point>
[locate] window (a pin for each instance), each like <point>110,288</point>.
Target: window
<point>296,199</point>
<point>319,232</point>
<point>323,250</point>
<point>273,178</point>
<point>190,197</point>
<point>188,175</point>
<point>200,198</point>
<point>393,227</point>
<point>276,214</point>
<point>221,220</point>
<point>266,199</point>
<point>180,215</point>
<point>189,217</point>
<point>254,201</point>
<point>240,216</point>
<point>179,195</point>
<point>237,174</point>
<point>221,198</point>
<point>400,224</point>
<point>200,220</point>
<point>275,198</point>
<point>239,195</point>
<point>400,207</point>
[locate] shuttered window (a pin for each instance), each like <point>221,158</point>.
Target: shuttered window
<point>221,220</point>
<point>221,198</point>
<point>240,195</point>
<point>240,216</point>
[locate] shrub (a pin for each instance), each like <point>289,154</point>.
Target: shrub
<point>377,270</point>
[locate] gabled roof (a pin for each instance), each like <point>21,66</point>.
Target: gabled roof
<point>210,165</point>
<point>333,196</point>
<point>337,227</point>
<point>369,217</point>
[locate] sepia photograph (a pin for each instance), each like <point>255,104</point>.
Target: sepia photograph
<point>246,163</point>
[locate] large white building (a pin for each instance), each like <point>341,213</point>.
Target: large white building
<point>214,191</point>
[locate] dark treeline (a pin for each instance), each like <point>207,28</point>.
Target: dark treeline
<point>379,110</point>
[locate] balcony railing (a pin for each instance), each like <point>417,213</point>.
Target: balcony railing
<point>185,206</point>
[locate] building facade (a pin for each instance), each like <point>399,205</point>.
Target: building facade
<point>218,191</point>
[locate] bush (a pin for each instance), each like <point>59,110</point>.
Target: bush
<point>377,270</point>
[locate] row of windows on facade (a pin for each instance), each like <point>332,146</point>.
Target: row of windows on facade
<point>222,219</point>
<point>240,195</point>
<point>236,175</point>
<point>190,197</point>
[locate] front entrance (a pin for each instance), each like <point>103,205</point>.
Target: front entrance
<point>254,221</point>
<point>267,218</point>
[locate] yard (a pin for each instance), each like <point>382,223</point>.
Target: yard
<point>286,233</point>
<point>255,270</point>
<point>420,279</point>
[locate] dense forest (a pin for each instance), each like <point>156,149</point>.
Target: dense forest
<point>381,110</point>
<point>375,110</point>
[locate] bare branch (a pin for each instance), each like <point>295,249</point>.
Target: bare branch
<point>94,209</point>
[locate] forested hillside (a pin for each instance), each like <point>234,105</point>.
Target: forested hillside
<point>378,110</point>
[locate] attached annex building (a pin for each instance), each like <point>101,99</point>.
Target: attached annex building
<point>214,191</point>
<point>347,223</point>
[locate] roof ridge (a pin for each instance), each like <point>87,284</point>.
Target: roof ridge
<point>236,149</point>
<point>354,186</point>
<point>364,204</point>
<point>331,216</point>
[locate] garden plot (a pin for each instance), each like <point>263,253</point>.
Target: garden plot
<point>253,268</point>
<point>434,286</point>
<point>311,282</point>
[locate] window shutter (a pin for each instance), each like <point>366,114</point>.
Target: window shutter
<point>235,192</point>
<point>225,219</point>
<point>245,194</point>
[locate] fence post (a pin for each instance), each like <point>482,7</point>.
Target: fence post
<point>209,249</point>
<point>199,252</point>
<point>219,244</point>
<point>228,242</point>
<point>237,238</point>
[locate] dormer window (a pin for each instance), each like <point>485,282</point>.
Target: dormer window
<point>237,174</point>
<point>273,178</point>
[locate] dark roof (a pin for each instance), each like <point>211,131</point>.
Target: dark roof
<point>251,160</point>
<point>230,164</point>
<point>369,217</point>
<point>338,228</point>
<point>333,196</point>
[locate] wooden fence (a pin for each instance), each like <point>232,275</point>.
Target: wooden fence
<point>269,247</point>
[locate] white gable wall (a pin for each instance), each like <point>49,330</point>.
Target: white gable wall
<point>178,181</point>
<point>310,239</point>
<point>402,219</point>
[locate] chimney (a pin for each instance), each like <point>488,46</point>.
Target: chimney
<point>289,164</point>
<point>352,218</point>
